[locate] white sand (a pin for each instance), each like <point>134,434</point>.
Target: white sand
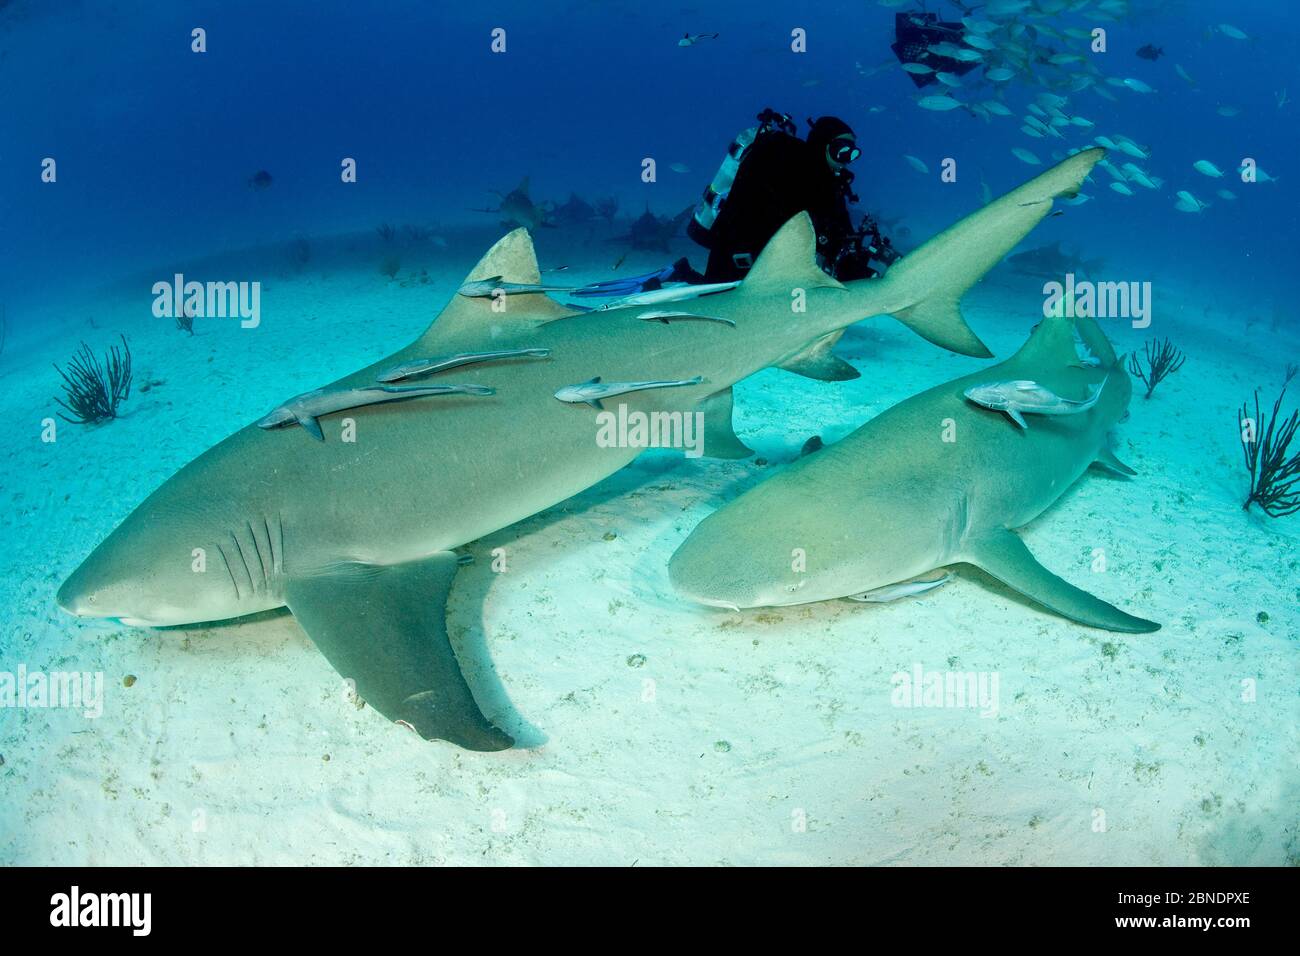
<point>235,744</point>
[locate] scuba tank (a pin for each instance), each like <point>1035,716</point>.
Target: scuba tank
<point>706,213</point>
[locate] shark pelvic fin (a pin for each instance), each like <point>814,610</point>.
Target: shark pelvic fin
<point>476,319</point>
<point>720,439</point>
<point>819,362</point>
<point>1106,459</point>
<point>384,628</point>
<point>1005,557</point>
<point>789,261</point>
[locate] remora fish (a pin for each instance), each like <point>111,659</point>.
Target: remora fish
<point>427,366</point>
<point>493,285</point>
<point>357,538</point>
<point>306,408</point>
<point>593,391</point>
<point>1024,397</point>
<point>666,317</point>
<point>894,500</point>
<point>676,292</point>
<point>893,592</point>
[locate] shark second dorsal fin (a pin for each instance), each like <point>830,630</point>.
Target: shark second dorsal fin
<point>788,260</point>
<point>466,319</point>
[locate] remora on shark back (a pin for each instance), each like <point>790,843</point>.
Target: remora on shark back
<point>356,537</point>
<point>936,480</point>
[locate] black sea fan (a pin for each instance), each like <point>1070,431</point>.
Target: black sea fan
<point>1274,475</point>
<point>1162,360</point>
<point>94,389</point>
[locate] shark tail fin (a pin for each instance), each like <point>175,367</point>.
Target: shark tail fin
<point>511,259</point>
<point>922,290</point>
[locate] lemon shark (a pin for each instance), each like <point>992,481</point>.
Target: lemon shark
<point>355,534</point>
<point>934,481</point>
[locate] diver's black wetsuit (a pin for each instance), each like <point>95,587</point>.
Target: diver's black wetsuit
<point>781,176</point>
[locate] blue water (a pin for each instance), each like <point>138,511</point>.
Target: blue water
<point>760,718</point>
<point>155,143</point>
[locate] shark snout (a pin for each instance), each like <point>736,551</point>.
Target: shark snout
<point>76,598</point>
<point>697,575</point>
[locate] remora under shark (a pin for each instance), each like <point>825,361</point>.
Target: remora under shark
<point>896,498</point>
<point>356,537</point>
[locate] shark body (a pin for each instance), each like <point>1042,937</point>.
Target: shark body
<point>932,482</point>
<point>355,537</point>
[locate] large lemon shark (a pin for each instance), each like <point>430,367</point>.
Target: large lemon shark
<point>936,480</point>
<point>355,533</point>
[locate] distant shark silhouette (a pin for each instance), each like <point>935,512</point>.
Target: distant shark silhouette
<point>355,536</point>
<point>518,209</point>
<point>1053,262</point>
<point>654,232</point>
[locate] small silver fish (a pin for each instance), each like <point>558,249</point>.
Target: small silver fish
<point>665,317</point>
<point>494,285</point>
<point>1022,397</point>
<point>677,292</point>
<point>1086,357</point>
<point>593,391</point>
<point>306,408</point>
<point>427,366</point>
<point>892,592</point>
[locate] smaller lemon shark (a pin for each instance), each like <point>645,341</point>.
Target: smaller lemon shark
<point>934,481</point>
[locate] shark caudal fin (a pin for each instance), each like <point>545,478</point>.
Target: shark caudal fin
<point>475,320</point>
<point>922,290</point>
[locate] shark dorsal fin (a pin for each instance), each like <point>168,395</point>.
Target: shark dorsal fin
<point>1051,344</point>
<point>511,259</point>
<point>789,261</point>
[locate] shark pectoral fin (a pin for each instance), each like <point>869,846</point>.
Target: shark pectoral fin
<point>597,404</point>
<point>819,362</point>
<point>311,425</point>
<point>384,627</point>
<point>1106,459</point>
<point>1016,417</point>
<point>1005,557</point>
<point>720,439</point>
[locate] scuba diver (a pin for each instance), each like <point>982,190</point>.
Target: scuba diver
<point>925,40</point>
<point>768,176</point>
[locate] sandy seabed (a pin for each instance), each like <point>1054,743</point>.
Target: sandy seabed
<point>652,731</point>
